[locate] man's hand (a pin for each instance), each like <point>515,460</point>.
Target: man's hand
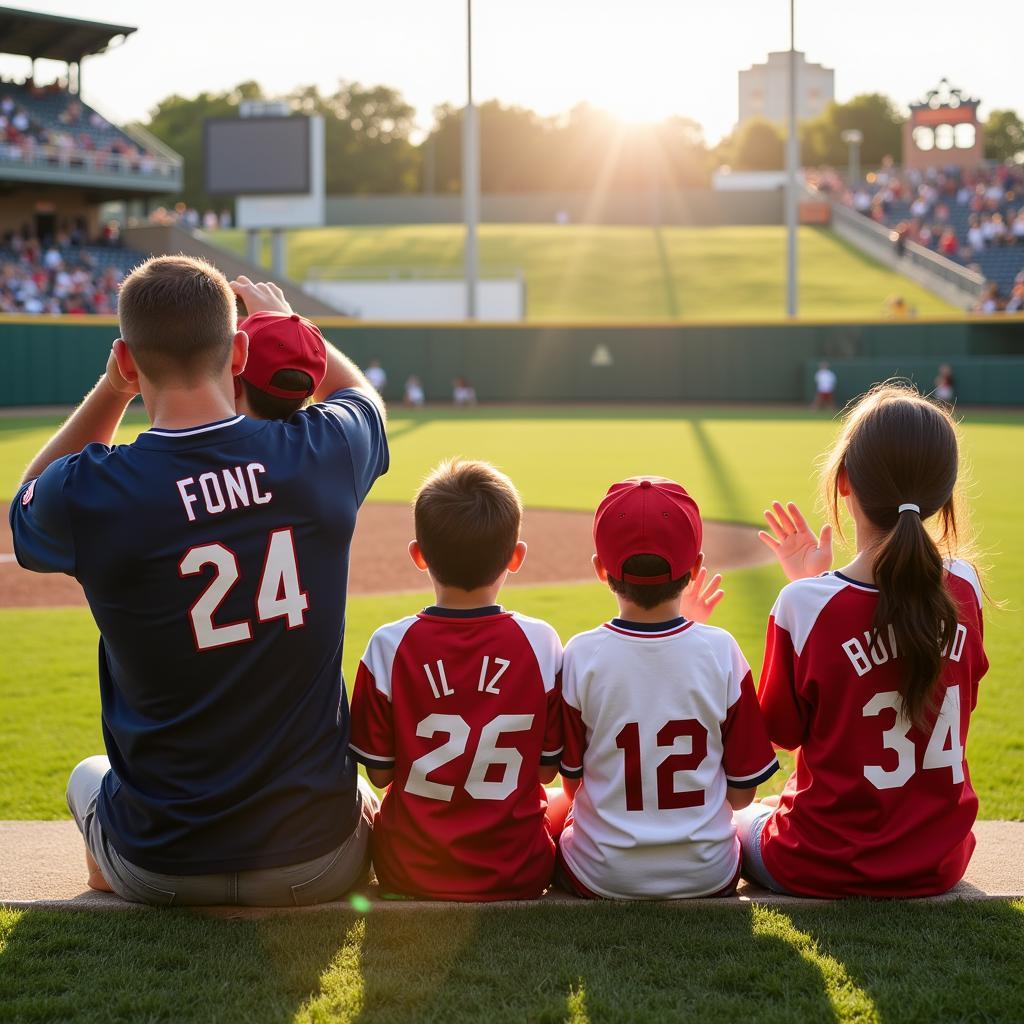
<point>701,595</point>
<point>264,297</point>
<point>117,381</point>
<point>800,553</point>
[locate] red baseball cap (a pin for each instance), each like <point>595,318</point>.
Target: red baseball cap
<point>647,516</point>
<point>282,341</point>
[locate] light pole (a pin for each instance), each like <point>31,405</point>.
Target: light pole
<point>853,138</point>
<point>470,174</point>
<point>792,168</point>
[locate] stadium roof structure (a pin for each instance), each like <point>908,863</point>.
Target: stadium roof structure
<point>53,37</point>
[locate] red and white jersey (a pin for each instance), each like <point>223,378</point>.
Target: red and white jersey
<point>658,722</point>
<point>876,806</point>
<point>465,707</point>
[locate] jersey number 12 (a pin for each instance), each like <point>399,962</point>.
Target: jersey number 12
<point>669,798</point>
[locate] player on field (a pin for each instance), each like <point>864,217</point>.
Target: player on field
<point>660,716</point>
<point>213,552</point>
<point>457,708</point>
<point>871,672</point>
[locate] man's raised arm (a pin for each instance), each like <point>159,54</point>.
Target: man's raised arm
<point>341,371</point>
<point>95,420</point>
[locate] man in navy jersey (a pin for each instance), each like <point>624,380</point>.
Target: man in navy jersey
<point>213,552</point>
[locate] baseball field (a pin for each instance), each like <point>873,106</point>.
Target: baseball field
<point>590,273</point>
<point>861,961</point>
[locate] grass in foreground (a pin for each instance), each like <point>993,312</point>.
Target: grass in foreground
<point>853,962</point>
<point>600,273</point>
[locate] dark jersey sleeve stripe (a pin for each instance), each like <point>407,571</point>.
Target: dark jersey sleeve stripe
<point>370,761</point>
<point>756,780</point>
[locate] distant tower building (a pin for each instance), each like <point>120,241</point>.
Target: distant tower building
<point>943,131</point>
<point>764,89</point>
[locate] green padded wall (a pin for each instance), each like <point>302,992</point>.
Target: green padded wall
<point>53,361</point>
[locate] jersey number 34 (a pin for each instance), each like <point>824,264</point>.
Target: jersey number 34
<point>280,594</point>
<point>944,750</point>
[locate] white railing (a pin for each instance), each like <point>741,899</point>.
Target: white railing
<point>941,275</point>
<point>72,159</point>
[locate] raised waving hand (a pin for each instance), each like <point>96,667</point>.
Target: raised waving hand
<point>701,595</point>
<point>800,553</point>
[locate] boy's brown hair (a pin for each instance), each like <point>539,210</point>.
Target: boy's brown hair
<point>647,595</point>
<point>178,318</point>
<point>272,407</point>
<point>467,517</point>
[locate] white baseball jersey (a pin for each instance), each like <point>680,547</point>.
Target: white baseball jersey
<point>825,382</point>
<point>658,720</point>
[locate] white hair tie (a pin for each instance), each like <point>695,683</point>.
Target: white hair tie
<point>910,507</point>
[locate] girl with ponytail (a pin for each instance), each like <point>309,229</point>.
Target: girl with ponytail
<point>871,672</point>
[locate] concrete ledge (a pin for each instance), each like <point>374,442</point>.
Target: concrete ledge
<point>43,868</point>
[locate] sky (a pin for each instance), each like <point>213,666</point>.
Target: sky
<point>640,59</point>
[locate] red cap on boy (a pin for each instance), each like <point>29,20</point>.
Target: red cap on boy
<point>282,341</point>
<point>647,516</point>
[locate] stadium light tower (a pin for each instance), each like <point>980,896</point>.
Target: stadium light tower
<point>470,174</point>
<point>792,169</point>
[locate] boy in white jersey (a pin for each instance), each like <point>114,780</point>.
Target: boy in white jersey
<point>662,730</point>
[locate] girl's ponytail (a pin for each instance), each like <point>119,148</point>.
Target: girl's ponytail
<point>914,603</point>
<point>899,453</point>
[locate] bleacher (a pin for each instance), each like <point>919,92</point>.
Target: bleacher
<point>62,278</point>
<point>49,136</point>
<point>892,198</point>
<point>66,133</point>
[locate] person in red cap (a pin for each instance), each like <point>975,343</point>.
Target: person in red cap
<point>663,736</point>
<point>287,362</point>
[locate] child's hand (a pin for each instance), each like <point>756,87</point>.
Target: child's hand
<point>800,553</point>
<point>701,595</point>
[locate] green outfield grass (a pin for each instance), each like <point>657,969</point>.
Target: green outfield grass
<point>859,961</point>
<point>734,461</point>
<point>591,273</point>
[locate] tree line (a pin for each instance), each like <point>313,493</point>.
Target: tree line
<point>369,133</point>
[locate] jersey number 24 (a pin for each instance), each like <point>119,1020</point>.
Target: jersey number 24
<point>280,594</point>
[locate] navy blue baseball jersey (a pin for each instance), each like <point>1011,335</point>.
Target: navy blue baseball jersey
<point>215,562</point>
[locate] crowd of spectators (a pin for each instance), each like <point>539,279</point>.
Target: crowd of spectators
<point>36,278</point>
<point>190,218</point>
<point>48,124</point>
<point>966,216</point>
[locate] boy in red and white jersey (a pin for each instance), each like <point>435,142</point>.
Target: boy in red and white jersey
<point>661,720</point>
<point>458,708</point>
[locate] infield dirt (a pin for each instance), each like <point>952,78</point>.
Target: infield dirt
<point>560,548</point>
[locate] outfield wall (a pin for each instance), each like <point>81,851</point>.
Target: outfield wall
<point>54,360</point>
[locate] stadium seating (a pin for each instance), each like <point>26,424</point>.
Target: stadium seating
<point>50,127</point>
<point>922,207</point>
<point>62,279</point>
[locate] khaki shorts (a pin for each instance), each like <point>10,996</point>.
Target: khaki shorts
<point>319,880</point>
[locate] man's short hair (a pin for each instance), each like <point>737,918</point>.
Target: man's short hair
<point>467,517</point>
<point>178,318</point>
<point>271,407</point>
<point>647,595</point>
